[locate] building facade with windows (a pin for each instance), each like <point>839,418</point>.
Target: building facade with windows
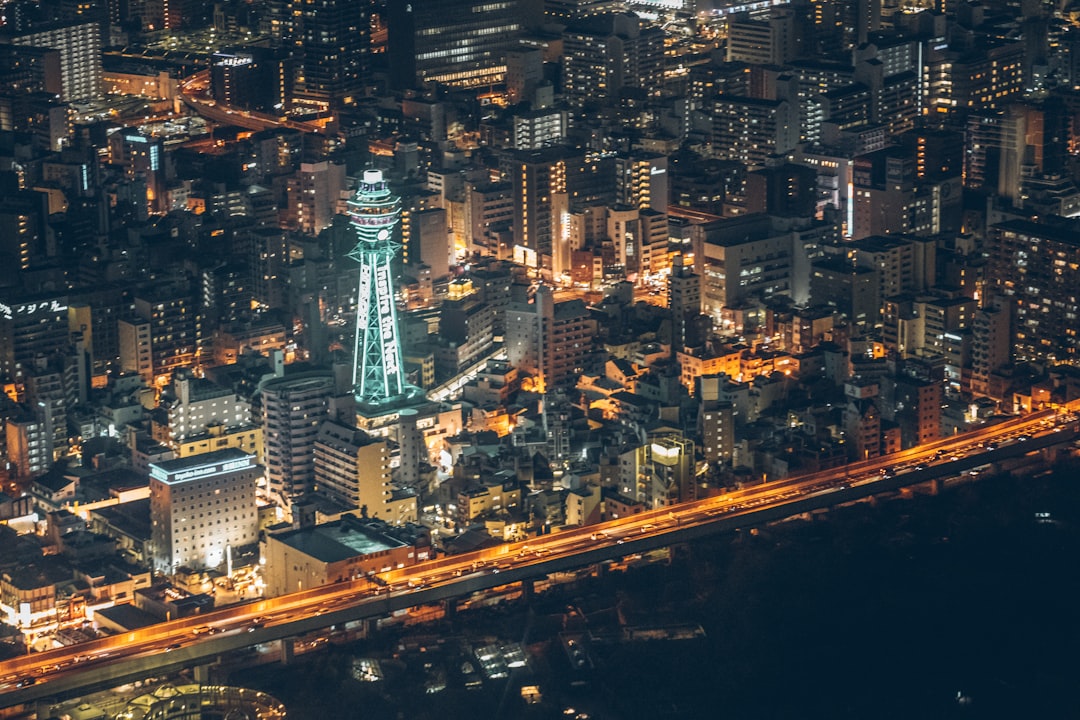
<point>202,508</point>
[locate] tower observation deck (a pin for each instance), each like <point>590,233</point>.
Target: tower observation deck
<point>378,373</point>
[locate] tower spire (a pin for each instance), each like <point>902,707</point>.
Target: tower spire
<point>378,372</point>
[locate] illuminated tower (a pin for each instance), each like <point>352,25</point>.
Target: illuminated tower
<point>378,375</point>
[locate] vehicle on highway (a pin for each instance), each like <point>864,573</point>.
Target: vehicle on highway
<point>174,646</point>
<point>26,682</point>
<point>205,630</point>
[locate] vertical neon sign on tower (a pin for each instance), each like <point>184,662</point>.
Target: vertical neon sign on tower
<point>378,375</point>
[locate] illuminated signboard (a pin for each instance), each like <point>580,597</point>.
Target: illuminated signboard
<point>159,473</point>
<point>7,312</point>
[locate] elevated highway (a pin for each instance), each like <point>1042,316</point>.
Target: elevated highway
<point>170,646</point>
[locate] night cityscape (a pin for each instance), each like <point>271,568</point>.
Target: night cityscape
<point>542,359</point>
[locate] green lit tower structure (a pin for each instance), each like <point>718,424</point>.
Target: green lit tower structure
<point>378,373</point>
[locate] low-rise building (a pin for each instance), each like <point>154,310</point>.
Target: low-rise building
<point>345,549</point>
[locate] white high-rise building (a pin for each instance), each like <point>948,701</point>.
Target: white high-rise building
<point>202,508</point>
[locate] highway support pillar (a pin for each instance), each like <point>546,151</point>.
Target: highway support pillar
<point>287,654</point>
<point>450,608</point>
<point>371,626</point>
<point>527,588</point>
<point>935,486</point>
<point>202,674</point>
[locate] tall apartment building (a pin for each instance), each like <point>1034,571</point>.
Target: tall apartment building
<point>749,130</point>
<point>538,129</point>
<point>1034,268</point>
<point>164,333</point>
<point>773,41</point>
<point>293,409</point>
<point>353,469</point>
<point>494,285</point>
<point>29,442</point>
<point>538,179</point>
<point>265,253</point>
<point>192,405</point>
<point>684,301</point>
<point>201,509</point>
<point>603,54</point>
<point>52,387</point>
<point>489,211</point>
<point>313,195</point>
<point>917,409</point>
<point>904,264</point>
<point>466,326</point>
<point>716,421</point>
<point>641,181</point>
<point>80,55</point>
<point>549,339</point>
<point>991,346</point>
<point>815,77</point>
<point>862,418</point>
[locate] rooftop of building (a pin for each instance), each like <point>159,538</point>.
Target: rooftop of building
<point>1067,232</point>
<point>128,616</point>
<point>339,540</point>
<point>202,461</point>
<point>130,518</point>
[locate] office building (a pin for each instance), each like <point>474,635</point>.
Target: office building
<point>987,77</point>
<point>31,326</point>
<point>202,508</point>
<point>332,39</point>
<point>451,42</point>
<point>741,258</point>
<point>253,78</point>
